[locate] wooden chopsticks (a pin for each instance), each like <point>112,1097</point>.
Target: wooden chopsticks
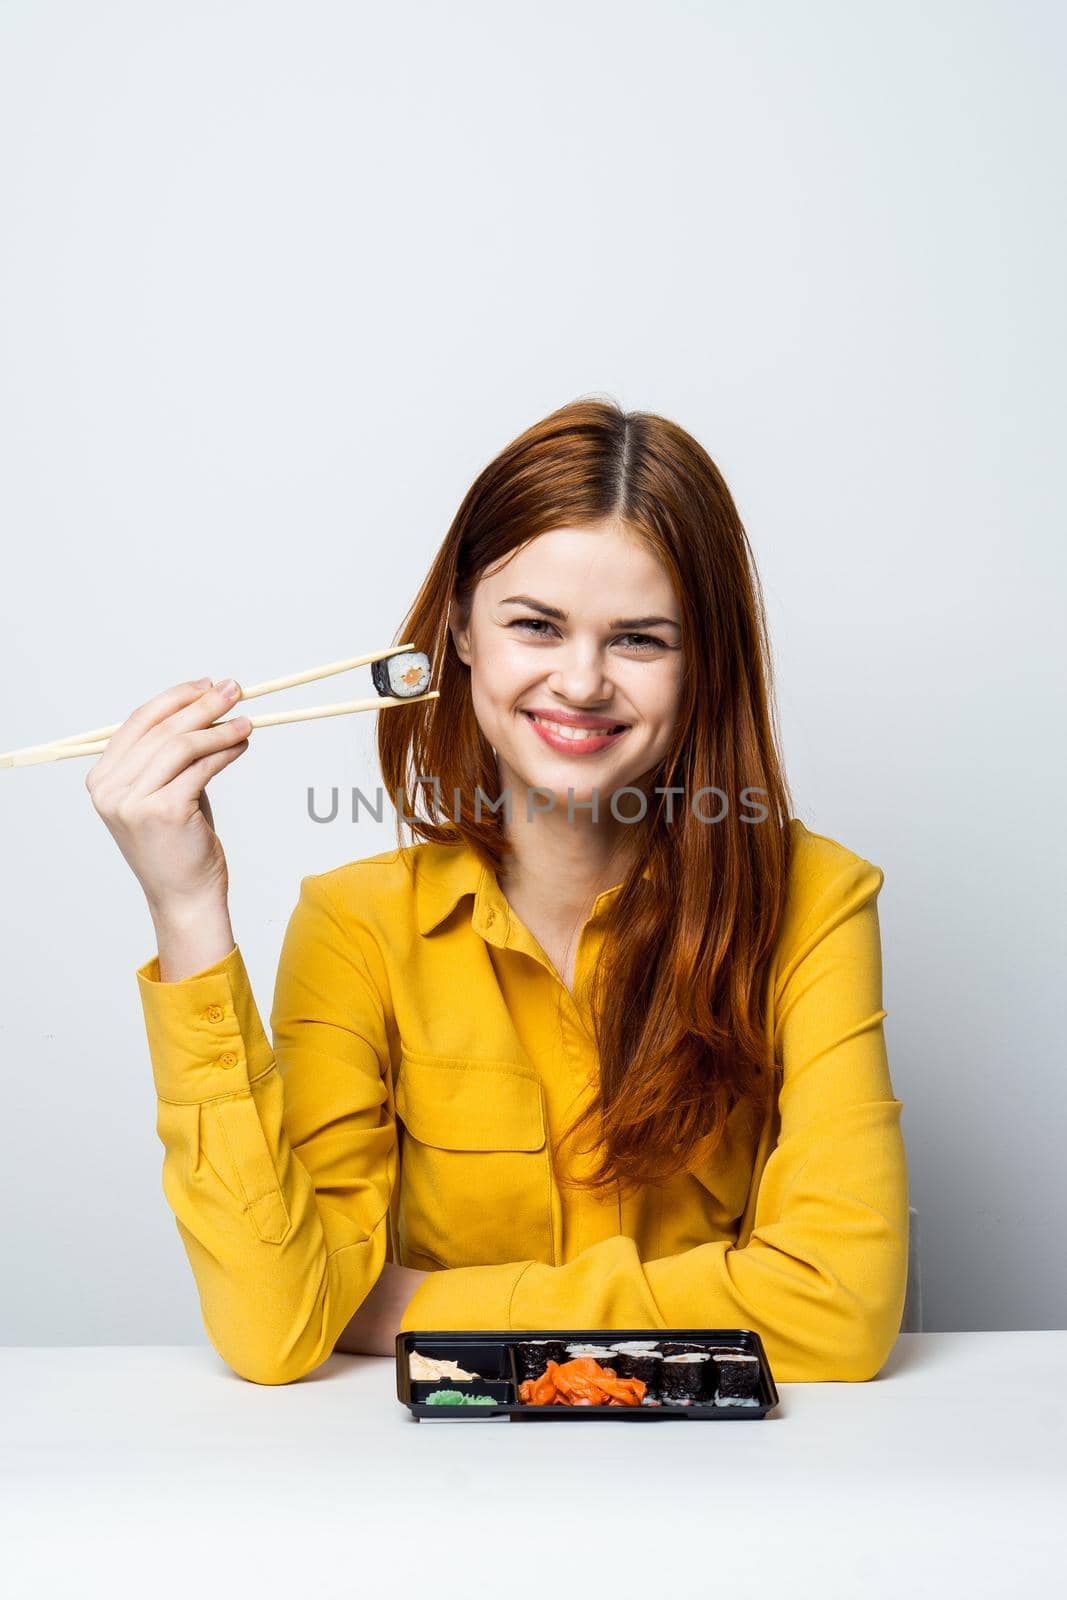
<point>95,741</point>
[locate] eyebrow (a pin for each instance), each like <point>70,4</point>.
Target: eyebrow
<point>561,616</point>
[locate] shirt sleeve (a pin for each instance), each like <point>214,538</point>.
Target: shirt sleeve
<point>822,1275</point>
<point>279,1161</point>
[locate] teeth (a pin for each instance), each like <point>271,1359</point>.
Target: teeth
<point>566,732</point>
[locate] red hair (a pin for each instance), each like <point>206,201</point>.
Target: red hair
<point>686,949</point>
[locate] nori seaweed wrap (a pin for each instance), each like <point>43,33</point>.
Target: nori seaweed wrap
<point>644,1364</point>
<point>679,1347</point>
<point>736,1378</point>
<point>403,675</point>
<point>533,1355</point>
<point>684,1377</point>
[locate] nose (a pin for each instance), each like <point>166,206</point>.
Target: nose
<point>579,677</point>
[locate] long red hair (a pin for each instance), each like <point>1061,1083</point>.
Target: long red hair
<point>685,950</point>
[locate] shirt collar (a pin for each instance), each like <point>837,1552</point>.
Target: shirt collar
<point>447,872</point>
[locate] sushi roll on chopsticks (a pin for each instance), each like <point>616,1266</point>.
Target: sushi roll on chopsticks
<point>404,675</point>
<point>399,674</point>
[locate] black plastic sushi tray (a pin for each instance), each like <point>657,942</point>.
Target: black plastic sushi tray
<point>701,1374</point>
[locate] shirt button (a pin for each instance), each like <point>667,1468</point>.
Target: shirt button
<point>214,1013</point>
<point>227,1059</point>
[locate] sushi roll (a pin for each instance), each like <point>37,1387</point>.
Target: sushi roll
<point>644,1364</point>
<point>680,1347</point>
<point>736,1378</point>
<point>684,1377</point>
<point>533,1355</point>
<point>403,675</point>
<point>600,1352</point>
<point>638,1345</point>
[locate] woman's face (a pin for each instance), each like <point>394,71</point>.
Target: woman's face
<point>580,620</point>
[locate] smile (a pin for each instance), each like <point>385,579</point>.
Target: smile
<point>578,741</point>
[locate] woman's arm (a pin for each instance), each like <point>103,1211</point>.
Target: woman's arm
<point>823,1274</point>
<point>191,939</point>
<point>279,1161</point>
<point>373,1329</point>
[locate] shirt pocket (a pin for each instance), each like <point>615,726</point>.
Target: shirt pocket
<point>475,1167</point>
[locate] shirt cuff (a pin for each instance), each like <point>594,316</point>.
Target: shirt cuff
<point>467,1298</point>
<point>205,1036</point>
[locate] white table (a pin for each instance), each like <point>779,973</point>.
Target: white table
<point>157,1469</point>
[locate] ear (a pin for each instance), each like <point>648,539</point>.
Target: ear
<point>459,627</point>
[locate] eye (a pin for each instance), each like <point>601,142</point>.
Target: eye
<point>529,622</point>
<point>650,641</point>
<point>647,641</point>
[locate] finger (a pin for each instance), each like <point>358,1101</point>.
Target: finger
<point>198,711</point>
<point>145,717</point>
<point>193,779</point>
<point>201,711</point>
<point>182,750</point>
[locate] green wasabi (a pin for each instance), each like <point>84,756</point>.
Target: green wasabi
<point>454,1397</point>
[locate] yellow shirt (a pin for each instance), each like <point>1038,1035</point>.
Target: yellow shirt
<point>425,1057</point>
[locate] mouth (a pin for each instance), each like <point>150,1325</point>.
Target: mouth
<point>575,741</point>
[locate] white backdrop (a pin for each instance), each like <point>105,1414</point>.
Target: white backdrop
<point>278,279</point>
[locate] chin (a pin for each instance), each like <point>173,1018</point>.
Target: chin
<point>556,779</point>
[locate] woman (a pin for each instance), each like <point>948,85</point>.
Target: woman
<point>604,1048</point>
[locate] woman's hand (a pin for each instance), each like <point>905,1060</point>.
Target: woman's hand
<point>373,1329</point>
<point>148,786</point>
